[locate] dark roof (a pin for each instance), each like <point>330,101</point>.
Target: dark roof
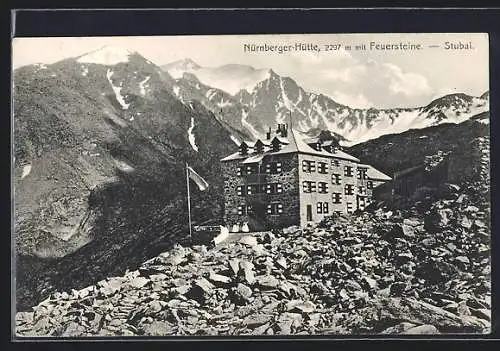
<point>408,171</point>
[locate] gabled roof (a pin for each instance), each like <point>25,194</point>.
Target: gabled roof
<point>281,140</point>
<point>408,171</point>
<point>296,143</point>
<point>254,159</point>
<point>248,142</point>
<point>303,147</point>
<point>375,174</point>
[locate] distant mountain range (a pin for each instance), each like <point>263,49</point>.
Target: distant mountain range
<point>256,99</point>
<point>101,141</point>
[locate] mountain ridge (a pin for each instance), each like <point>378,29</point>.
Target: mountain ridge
<point>276,99</point>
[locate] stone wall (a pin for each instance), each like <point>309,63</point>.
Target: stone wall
<point>260,219</point>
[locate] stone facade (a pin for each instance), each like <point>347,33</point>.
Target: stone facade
<point>241,207</point>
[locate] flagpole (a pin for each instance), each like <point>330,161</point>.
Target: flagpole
<point>189,202</point>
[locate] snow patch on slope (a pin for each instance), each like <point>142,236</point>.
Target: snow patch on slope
<point>123,166</point>
<point>248,126</point>
<point>40,65</point>
<point>191,137</point>
<point>117,91</point>
<point>142,87</point>
<point>177,92</point>
<point>106,56</point>
<point>26,171</point>
<point>235,140</point>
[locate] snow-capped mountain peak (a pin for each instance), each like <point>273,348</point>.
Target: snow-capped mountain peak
<point>230,78</point>
<point>107,55</point>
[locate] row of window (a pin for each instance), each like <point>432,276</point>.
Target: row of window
<point>310,187</point>
<point>337,180</point>
<point>322,208</point>
<point>268,168</point>
<point>271,188</point>
<point>310,166</point>
<point>307,166</point>
<point>274,208</point>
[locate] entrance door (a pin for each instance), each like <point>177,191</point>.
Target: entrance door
<point>309,213</point>
<point>361,203</point>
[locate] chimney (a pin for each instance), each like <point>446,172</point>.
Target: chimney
<point>284,132</point>
<point>268,134</point>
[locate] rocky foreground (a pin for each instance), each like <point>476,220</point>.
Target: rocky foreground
<point>381,272</point>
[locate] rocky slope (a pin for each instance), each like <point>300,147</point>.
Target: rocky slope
<point>395,152</point>
<point>425,270</point>
<point>271,99</point>
<point>100,143</point>
<point>382,272</point>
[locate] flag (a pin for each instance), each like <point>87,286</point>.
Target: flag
<point>202,183</point>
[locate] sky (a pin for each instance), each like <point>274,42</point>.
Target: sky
<point>357,78</point>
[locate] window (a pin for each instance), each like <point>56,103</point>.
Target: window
<point>348,171</point>
<point>361,173</point>
<point>361,190</point>
<point>273,168</point>
<point>349,207</point>
<point>369,184</point>
<point>245,209</point>
<point>322,187</point>
<point>336,178</point>
<point>308,166</point>
<point>252,169</point>
<point>335,163</point>
<point>239,190</point>
<point>322,207</point>
<point>273,188</point>
<point>239,171</point>
<point>338,212</point>
<point>274,208</point>
<point>309,187</point>
<point>325,207</point>
<point>254,189</point>
<point>349,189</point>
<point>322,167</point>
<point>337,198</point>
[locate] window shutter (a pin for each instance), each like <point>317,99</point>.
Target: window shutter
<point>240,210</point>
<point>239,190</point>
<point>268,168</point>
<point>280,208</point>
<point>269,209</point>
<point>268,188</point>
<point>239,171</point>
<point>278,167</point>
<point>279,187</point>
